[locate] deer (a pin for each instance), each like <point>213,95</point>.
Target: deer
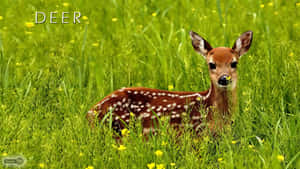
<point>217,103</point>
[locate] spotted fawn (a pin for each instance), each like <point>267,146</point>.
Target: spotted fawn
<point>148,105</point>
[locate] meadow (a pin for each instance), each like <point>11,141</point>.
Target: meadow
<point>52,74</point>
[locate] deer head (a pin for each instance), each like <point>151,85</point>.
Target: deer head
<point>222,61</point>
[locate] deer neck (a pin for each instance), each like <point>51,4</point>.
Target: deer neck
<point>222,100</point>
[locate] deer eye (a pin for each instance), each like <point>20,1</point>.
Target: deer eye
<point>233,64</point>
<point>212,66</point>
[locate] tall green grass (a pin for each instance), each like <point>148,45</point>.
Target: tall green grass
<point>51,74</point>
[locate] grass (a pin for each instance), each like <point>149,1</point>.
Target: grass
<point>51,74</point>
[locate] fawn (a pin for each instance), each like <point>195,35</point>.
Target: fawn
<point>147,104</point>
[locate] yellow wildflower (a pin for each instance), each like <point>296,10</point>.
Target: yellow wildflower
<point>198,98</point>
<point>280,157</point>
<point>270,4</point>
<point>228,78</point>
<point>131,20</point>
<point>262,6</point>
<point>170,87</point>
<point>291,54</point>
<point>131,114</point>
<point>261,141</point>
<point>85,18</point>
<point>140,26</point>
<point>172,164</point>
<point>251,146</point>
<point>96,44</point>
<point>29,24</point>
<point>81,154</point>
<point>114,19</point>
<point>125,132</point>
<point>193,9</point>
<point>1,18</point>
<point>66,4</point>
<point>160,166</point>
<point>42,165</point>
<point>4,154</point>
<point>298,4</point>
<point>158,153</point>
<point>151,165</point>
<point>95,112</point>
<point>121,148</point>
<point>89,167</point>
<point>164,143</point>
<point>233,142</point>
<point>72,41</point>
<point>220,159</point>
<point>154,14</point>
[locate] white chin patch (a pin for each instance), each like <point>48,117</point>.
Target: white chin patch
<point>231,86</point>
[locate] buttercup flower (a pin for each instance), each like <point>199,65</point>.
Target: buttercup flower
<point>270,4</point>
<point>158,153</point>
<point>121,148</point>
<point>151,165</point>
<point>125,132</point>
<point>160,166</point>
<point>42,165</point>
<point>66,4</point>
<point>29,24</point>
<point>95,44</point>
<point>280,157</point>
<point>85,18</point>
<point>89,167</point>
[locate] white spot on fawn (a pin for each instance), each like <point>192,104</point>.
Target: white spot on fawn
<point>196,117</point>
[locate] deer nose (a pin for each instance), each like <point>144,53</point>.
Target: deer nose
<point>224,80</point>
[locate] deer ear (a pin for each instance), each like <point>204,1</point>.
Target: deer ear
<point>243,43</point>
<point>200,44</point>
